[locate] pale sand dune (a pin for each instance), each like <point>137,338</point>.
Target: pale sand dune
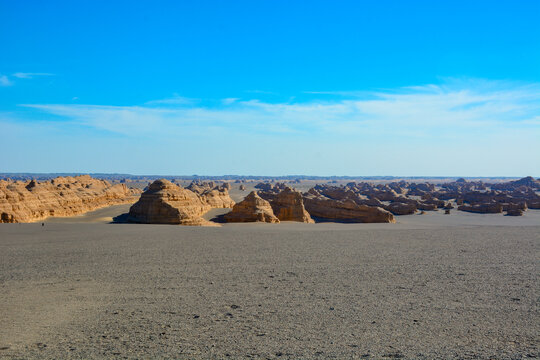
<point>416,289</point>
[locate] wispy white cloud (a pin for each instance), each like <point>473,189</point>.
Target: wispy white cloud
<point>229,101</point>
<point>7,80</point>
<point>4,81</point>
<point>260,92</point>
<point>459,127</point>
<point>175,100</point>
<point>457,109</point>
<point>29,75</point>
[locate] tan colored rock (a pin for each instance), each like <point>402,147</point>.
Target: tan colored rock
<point>166,203</point>
<point>288,205</point>
<point>264,186</point>
<point>398,208</point>
<point>63,196</point>
<point>199,187</point>
<point>345,210</point>
<point>215,196</point>
<point>218,198</point>
<point>253,208</point>
<point>426,206</point>
<point>488,208</point>
<point>242,187</point>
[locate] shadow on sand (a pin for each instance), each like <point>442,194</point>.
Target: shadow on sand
<point>121,219</point>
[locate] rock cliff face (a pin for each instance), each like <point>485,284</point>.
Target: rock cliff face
<point>288,205</point>
<point>166,203</point>
<point>63,196</point>
<point>345,210</point>
<point>253,208</point>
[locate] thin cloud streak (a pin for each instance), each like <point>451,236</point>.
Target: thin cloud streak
<point>175,100</point>
<point>4,81</point>
<point>25,75</point>
<point>428,111</point>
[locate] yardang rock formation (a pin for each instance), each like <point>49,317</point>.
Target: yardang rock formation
<point>288,205</point>
<point>252,209</point>
<point>167,203</point>
<point>22,202</point>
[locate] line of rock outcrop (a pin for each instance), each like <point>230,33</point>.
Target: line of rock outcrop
<point>403,198</point>
<point>281,203</point>
<point>29,201</point>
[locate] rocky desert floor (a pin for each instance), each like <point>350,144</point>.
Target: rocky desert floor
<point>433,286</point>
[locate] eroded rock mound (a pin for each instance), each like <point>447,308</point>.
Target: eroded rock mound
<point>217,196</point>
<point>488,208</point>
<point>345,210</point>
<point>62,196</point>
<point>167,203</point>
<point>398,208</point>
<point>514,212</point>
<point>253,208</point>
<point>288,205</point>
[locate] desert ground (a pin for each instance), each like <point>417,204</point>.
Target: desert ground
<point>433,286</point>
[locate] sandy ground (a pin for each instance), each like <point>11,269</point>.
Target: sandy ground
<point>434,286</point>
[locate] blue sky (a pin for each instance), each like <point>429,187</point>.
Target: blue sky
<point>438,88</point>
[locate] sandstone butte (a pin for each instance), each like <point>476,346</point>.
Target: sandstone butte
<point>213,195</point>
<point>30,201</point>
<point>345,210</point>
<point>253,208</point>
<point>167,203</point>
<point>288,205</point>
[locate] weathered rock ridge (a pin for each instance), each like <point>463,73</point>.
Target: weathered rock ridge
<point>217,196</point>
<point>287,203</point>
<point>167,203</point>
<point>252,209</point>
<point>403,198</point>
<point>346,210</point>
<point>30,201</point>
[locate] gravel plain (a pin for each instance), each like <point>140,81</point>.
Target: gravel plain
<point>428,287</point>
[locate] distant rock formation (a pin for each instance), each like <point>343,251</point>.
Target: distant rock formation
<point>514,212</point>
<point>288,205</point>
<point>217,196</point>
<point>166,203</point>
<point>345,210</point>
<point>403,198</point>
<point>398,208</point>
<point>264,186</point>
<point>487,208</point>
<point>252,209</point>
<point>242,187</point>
<point>527,182</point>
<point>30,201</point>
